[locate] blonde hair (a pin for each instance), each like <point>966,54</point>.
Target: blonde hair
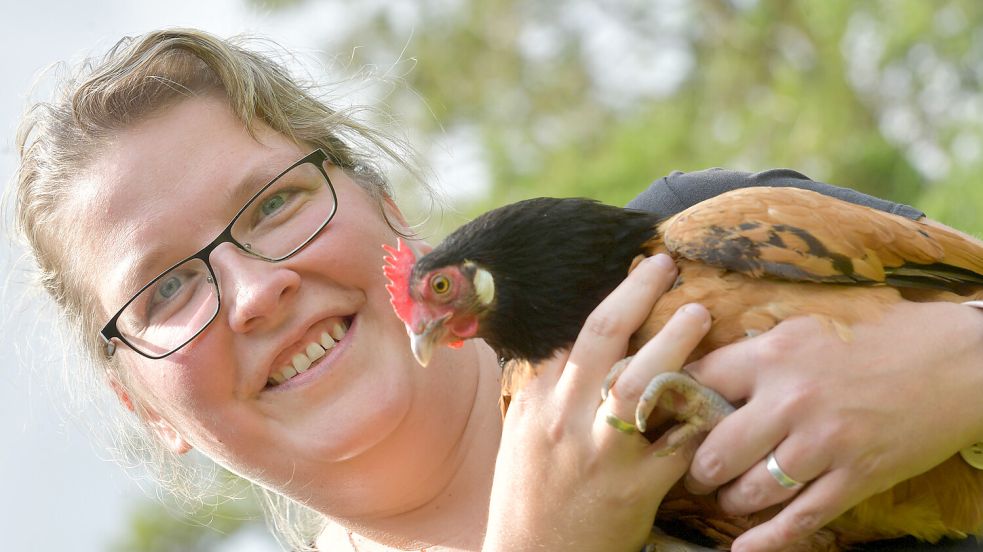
<point>137,78</point>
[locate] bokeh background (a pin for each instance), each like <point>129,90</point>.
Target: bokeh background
<point>503,99</point>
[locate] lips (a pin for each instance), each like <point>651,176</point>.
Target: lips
<point>309,353</point>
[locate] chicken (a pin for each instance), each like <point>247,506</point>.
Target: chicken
<point>524,278</point>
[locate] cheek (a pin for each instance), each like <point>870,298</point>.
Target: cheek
<point>201,406</point>
<point>184,392</point>
<point>351,255</point>
<point>351,244</point>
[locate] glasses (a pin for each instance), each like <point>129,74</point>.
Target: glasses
<point>276,223</point>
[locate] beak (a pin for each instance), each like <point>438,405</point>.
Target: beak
<point>424,342</point>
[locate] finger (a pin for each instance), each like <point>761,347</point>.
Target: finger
<point>665,471</point>
<point>758,489</point>
<point>737,443</point>
<point>728,370</point>
<point>736,370</point>
<point>817,505</point>
<point>665,352</point>
<point>604,337</point>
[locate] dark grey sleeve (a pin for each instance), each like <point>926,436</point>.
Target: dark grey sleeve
<point>671,194</point>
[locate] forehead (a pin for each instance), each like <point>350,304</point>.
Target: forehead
<point>161,186</point>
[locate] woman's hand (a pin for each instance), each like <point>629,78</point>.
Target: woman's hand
<point>850,419</point>
<point>566,479</point>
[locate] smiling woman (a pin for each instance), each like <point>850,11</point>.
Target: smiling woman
<point>240,310</point>
<point>155,114</point>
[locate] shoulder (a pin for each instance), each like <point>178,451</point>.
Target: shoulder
<point>680,190</point>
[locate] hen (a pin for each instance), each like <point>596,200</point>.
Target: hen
<point>524,278</point>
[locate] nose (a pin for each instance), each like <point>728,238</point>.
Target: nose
<point>254,293</point>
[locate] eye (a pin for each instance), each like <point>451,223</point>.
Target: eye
<point>169,287</point>
<point>273,203</point>
<point>440,284</point>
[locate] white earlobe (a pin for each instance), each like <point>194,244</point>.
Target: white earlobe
<point>484,286</point>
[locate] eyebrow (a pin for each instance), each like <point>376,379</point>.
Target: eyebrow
<point>236,195</point>
<point>131,279</point>
<point>246,188</point>
<point>140,273</point>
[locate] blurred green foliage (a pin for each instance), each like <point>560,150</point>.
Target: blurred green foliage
<point>599,98</point>
<point>172,526</point>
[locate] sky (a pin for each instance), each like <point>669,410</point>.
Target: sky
<point>57,491</point>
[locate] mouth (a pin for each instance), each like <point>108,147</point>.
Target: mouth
<point>320,344</point>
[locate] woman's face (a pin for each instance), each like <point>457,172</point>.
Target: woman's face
<point>165,188</point>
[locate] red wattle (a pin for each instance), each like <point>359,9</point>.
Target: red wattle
<point>464,328</point>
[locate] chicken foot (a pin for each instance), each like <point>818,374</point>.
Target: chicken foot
<point>699,408</point>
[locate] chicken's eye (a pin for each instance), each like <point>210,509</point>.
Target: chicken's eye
<point>440,284</point>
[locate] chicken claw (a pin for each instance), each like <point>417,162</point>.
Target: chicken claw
<point>613,376</point>
<point>700,409</point>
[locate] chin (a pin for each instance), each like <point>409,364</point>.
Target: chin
<point>366,419</point>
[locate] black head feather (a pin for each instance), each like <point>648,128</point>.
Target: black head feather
<point>553,261</point>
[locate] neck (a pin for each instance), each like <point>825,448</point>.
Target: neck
<point>454,517</point>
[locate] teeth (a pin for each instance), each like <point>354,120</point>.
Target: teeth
<point>314,351</point>
<point>300,362</point>
<point>326,341</point>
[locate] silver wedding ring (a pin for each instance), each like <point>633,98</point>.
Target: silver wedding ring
<point>783,479</point>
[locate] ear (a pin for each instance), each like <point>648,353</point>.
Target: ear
<point>159,426</point>
<point>391,211</point>
<point>167,434</point>
<point>121,393</point>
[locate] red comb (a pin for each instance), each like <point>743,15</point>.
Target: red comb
<point>399,264</point>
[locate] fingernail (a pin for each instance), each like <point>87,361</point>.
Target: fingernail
<point>695,487</point>
<point>664,261</point>
<point>695,310</point>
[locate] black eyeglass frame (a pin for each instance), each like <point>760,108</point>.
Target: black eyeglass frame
<point>110,330</point>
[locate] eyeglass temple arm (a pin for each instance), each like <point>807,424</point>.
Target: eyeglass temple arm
<point>109,346</point>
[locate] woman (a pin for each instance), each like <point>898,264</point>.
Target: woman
<point>149,151</point>
<point>268,342</point>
